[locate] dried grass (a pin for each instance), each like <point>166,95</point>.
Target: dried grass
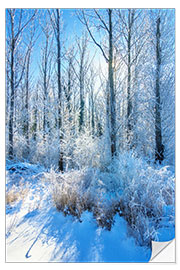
<point>15,194</point>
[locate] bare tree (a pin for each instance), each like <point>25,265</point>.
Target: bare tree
<point>82,63</point>
<point>32,38</point>
<point>131,42</point>
<point>129,103</point>
<point>46,72</point>
<point>56,21</point>
<point>92,97</point>
<point>69,79</point>
<point>159,148</point>
<point>16,28</point>
<point>107,26</point>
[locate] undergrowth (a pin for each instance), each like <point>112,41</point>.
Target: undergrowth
<point>129,187</point>
<point>15,194</point>
<point>143,195</point>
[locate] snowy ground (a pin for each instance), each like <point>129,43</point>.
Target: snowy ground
<point>37,232</point>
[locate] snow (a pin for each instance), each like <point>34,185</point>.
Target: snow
<point>37,232</point>
<point>166,231</point>
<point>49,236</point>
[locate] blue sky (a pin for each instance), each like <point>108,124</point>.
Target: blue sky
<point>72,25</point>
<point>72,31</point>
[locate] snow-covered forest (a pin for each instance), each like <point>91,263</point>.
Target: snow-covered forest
<point>90,133</point>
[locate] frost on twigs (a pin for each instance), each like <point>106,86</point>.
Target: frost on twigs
<point>147,193</point>
<point>142,194</point>
<point>78,191</point>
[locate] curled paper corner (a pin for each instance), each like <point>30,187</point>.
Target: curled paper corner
<point>163,252</point>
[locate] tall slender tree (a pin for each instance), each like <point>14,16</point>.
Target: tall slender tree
<point>32,38</point>
<point>16,25</point>
<point>129,101</point>
<point>159,148</point>
<point>82,47</point>
<point>133,37</point>
<point>107,26</point>
<point>56,20</point>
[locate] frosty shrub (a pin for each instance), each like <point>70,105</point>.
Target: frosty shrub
<point>44,151</point>
<point>16,194</point>
<point>91,152</point>
<point>129,186</point>
<point>20,147</point>
<point>84,190</point>
<point>147,191</point>
<point>70,191</point>
<point>104,210</point>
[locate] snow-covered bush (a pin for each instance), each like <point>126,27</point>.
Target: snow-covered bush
<point>16,194</point>
<point>84,190</point>
<point>70,191</point>
<point>147,191</point>
<point>91,152</point>
<point>16,188</point>
<point>45,151</point>
<point>142,194</point>
<point>20,147</point>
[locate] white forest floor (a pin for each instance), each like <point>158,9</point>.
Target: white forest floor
<point>37,232</point>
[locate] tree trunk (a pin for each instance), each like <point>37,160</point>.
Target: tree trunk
<point>81,89</point>
<point>159,147</point>
<point>129,102</point>
<point>92,112</point>
<point>129,105</point>
<point>111,88</point>
<point>59,89</point>
<point>68,94</point>
<point>27,102</point>
<point>35,124</point>
<point>45,89</point>
<point>11,116</point>
<point>81,113</point>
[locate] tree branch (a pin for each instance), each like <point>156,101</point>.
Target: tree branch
<point>84,21</point>
<point>105,26</point>
<point>20,30</point>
